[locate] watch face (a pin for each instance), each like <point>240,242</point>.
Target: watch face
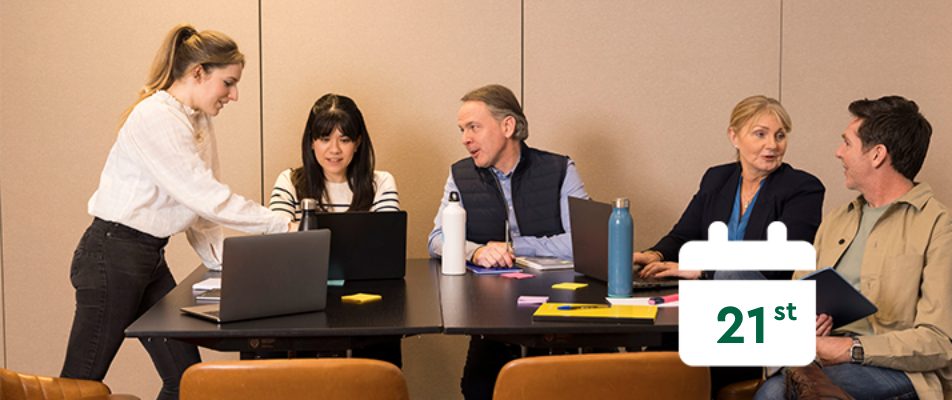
<point>856,352</point>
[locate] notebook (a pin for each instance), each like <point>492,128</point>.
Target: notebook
<point>270,275</point>
<point>577,312</point>
<point>544,263</point>
<point>366,245</point>
<point>838,298</point>
<point>480,270</point>
<point>589,221</point>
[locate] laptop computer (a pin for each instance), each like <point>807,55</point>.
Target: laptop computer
<point>270,275</point>
<point>589,221</point>
<point>366,245</point>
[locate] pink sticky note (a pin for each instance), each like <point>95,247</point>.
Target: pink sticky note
<point>517,275</point>
<point>531,300</point>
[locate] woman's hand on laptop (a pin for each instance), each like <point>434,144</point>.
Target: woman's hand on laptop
<point>666,269</point>
<point>493,255</point>
<point>645,257</point>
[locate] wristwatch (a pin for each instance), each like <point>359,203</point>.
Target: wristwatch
<point>856,352</point>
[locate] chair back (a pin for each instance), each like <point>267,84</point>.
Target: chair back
<point>17,386</point>
<point>325,378</point>
<point>643,375</point>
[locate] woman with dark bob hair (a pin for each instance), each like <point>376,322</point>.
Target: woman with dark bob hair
<point>338,165</point>
<point>338,172</point>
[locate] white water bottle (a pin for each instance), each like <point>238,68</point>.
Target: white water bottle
<point>454,237</point>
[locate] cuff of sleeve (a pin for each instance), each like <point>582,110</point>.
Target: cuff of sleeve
<point>471,248</point>
<point>280,223</point>
<point>520,246</point>
<point>875,346</point>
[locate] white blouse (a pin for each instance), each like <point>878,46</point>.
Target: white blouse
<point>161,178</point>
<point>284,199</point>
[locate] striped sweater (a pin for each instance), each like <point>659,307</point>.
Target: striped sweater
<point>284,197</point>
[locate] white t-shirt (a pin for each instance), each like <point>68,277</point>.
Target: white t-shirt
<point>284,199</point>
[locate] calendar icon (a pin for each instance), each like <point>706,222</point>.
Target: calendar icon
<point>747,322</point>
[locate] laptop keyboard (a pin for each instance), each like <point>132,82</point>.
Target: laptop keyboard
<point>641,283</point>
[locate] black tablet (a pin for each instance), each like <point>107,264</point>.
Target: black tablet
<point>838,298</point>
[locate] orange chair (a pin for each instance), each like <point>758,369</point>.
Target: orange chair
<point>325,378</point>
<point>743,390</point>
<point>16,386</point>
<point>643,375</point>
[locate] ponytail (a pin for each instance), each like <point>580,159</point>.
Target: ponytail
<point>182,48</point>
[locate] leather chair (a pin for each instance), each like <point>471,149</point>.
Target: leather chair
<point>743,390</point>
<point>325,378</point>
<point>643,375</point>
<point>16,386</point>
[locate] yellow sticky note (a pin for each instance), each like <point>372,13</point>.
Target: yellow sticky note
<point>360,298</point>
<point>569,285</point>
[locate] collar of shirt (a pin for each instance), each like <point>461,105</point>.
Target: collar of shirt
<point>167,98</point>
<point>505,176</point>
<point>915,197</point>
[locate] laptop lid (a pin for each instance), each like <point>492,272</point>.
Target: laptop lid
<point>366,245</point>
<point>270,275</point>
<point>589,220</point>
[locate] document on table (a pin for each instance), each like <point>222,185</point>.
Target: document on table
<point>207,284</point>
<point>638,301</point>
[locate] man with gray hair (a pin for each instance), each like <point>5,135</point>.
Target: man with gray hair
<point>504,180</point>
<point>504,184</point>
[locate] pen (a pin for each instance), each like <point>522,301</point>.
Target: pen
<point>508,238</point>
<point>569,307</point>
<point>663,299</point>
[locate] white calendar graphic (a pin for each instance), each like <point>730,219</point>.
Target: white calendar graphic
<point>747,322</point>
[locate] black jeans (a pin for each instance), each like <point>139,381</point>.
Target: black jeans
<point>484,359</point>
<point>118,273</point>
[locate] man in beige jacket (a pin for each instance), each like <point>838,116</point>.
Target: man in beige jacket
<point>894,244</point>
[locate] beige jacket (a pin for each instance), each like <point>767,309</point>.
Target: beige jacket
<point>907,273</point>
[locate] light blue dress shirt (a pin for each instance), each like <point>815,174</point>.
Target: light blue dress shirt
<point>550,246</point>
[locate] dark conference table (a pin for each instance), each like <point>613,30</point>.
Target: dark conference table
<point>487,305</point>
<point>409,307</point>
<point>424,302</point>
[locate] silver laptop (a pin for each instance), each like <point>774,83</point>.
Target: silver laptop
<point>589,221</point>
<point>270,275</point>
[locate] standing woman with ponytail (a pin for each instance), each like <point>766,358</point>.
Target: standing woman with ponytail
<point>160,179</point>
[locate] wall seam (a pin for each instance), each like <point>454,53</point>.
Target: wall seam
<point>522,54</point>
<point>780,66</point>
<point>261,106</point>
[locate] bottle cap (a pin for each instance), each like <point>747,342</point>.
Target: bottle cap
<point>621,202</point>
<point>454,196</point>
<point>309,204</point>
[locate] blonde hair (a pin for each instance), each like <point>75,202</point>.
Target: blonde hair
<point>183,47</point>
<point>747,109</point>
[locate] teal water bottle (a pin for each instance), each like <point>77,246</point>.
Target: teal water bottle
<point>620,239</point>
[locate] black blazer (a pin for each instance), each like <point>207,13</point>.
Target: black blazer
<point>789,195</point>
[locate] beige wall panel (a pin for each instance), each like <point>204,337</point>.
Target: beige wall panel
<point>405,63</point>
<point>837,52</point>
<point>639,93</point>
<point>69,70</point>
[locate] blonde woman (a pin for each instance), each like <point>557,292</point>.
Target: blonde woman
<point>160,179</point>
